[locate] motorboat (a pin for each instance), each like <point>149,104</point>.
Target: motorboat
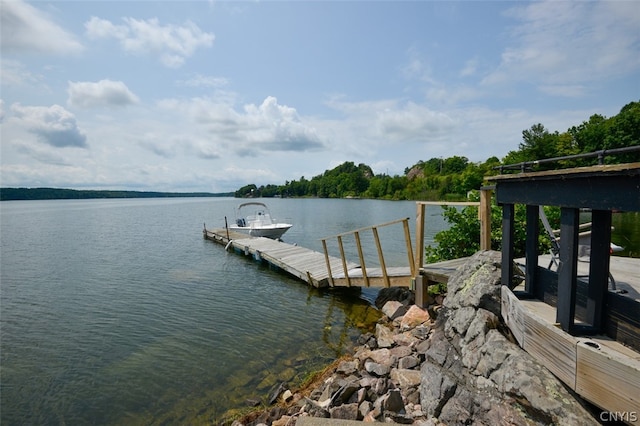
<point>255,219</point>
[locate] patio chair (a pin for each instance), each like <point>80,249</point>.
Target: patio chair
<point>584,246</point>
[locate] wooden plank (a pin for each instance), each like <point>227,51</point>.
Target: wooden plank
<point>609,379</point>
<point>563,173</point>
<point>441,271</point>
<point>512,313</point>
<point>554,348</point>
<point>448,203</point>
<point>623,319</point>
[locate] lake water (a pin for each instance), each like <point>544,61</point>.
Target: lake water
<point>120,312</point>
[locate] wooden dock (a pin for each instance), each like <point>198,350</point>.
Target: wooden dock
<point>311,266</point>
<point>305,264</point>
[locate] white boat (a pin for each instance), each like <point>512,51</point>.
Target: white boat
<point>255,218</point>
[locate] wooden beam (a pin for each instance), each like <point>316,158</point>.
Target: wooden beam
<point>484,212</point>
<point>568,268</point>
<point>608,188</point>
<point>508,225</point>
<point>598,267</point>
<point>531,248</point>
<point>420,209</point>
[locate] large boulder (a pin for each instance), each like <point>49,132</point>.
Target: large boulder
<point>473,374</point>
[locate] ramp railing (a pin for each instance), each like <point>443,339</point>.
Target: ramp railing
<point>356,234</point>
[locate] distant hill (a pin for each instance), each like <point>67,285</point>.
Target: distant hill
<point>73,194</point>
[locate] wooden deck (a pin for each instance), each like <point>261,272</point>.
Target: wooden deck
<point>603,371</point>
<point>624,270</point>
<point>597,367</point>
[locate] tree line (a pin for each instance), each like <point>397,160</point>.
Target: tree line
<point>73,194</point>
<point>452,178</point>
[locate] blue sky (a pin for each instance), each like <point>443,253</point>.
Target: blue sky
<point>211,96</point>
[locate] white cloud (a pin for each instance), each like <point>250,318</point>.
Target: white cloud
<point>412,123</point>
<point>15,74</point>
<point>268,127</point>
<point>271,126</point>
<point>102,93</point>
<point>381,122</point>
<point>53,125</point>
<point>199,80</point>
<point>173,44</point>
<point>23,28</point>
<point>569,44</point>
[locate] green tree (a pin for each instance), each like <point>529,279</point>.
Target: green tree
<point>624,131</point>
<point>462,239</point>
<point>246,191</point>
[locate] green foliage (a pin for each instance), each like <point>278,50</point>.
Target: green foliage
<point>246,191</point>
<point>462,239</point>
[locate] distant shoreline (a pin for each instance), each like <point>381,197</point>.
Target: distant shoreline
<point>9,194</point>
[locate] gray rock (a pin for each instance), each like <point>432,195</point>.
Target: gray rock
<point>345,392</point>
<point>405,378</point>
<point>393,402</point>
<point>460,370</point>
<point>435,390</point>
<point>384,336</point>
<point>345,411</point>
<point>401,294</point>
<point>347,367</point>
<point>408,362</point>
<point>401,351</point>
<point>381,386</point>
<point>375,368</point>
<point>364,408</point>
<point>473,374</point>
<point>394,309</point>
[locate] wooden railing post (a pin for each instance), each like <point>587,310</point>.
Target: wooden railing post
<point>485,218</point>
<point>381,257</point>
<point>344,261</point>
<point>407,239</point>
<point>419,238</point>
<point>328,262</point>
<point>356,234</point>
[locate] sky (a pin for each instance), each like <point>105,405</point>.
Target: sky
<point>187,96</point>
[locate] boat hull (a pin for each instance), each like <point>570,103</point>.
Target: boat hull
<point>272,231</point>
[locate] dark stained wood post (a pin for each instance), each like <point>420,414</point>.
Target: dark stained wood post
<point>531,249</point>
<point>598,267</point>
<point>568,268</point>
<point>508,224</point>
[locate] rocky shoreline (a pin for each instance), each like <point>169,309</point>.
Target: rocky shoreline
<point>451,364</point>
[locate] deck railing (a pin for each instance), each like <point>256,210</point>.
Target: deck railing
<point>356,234</point>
